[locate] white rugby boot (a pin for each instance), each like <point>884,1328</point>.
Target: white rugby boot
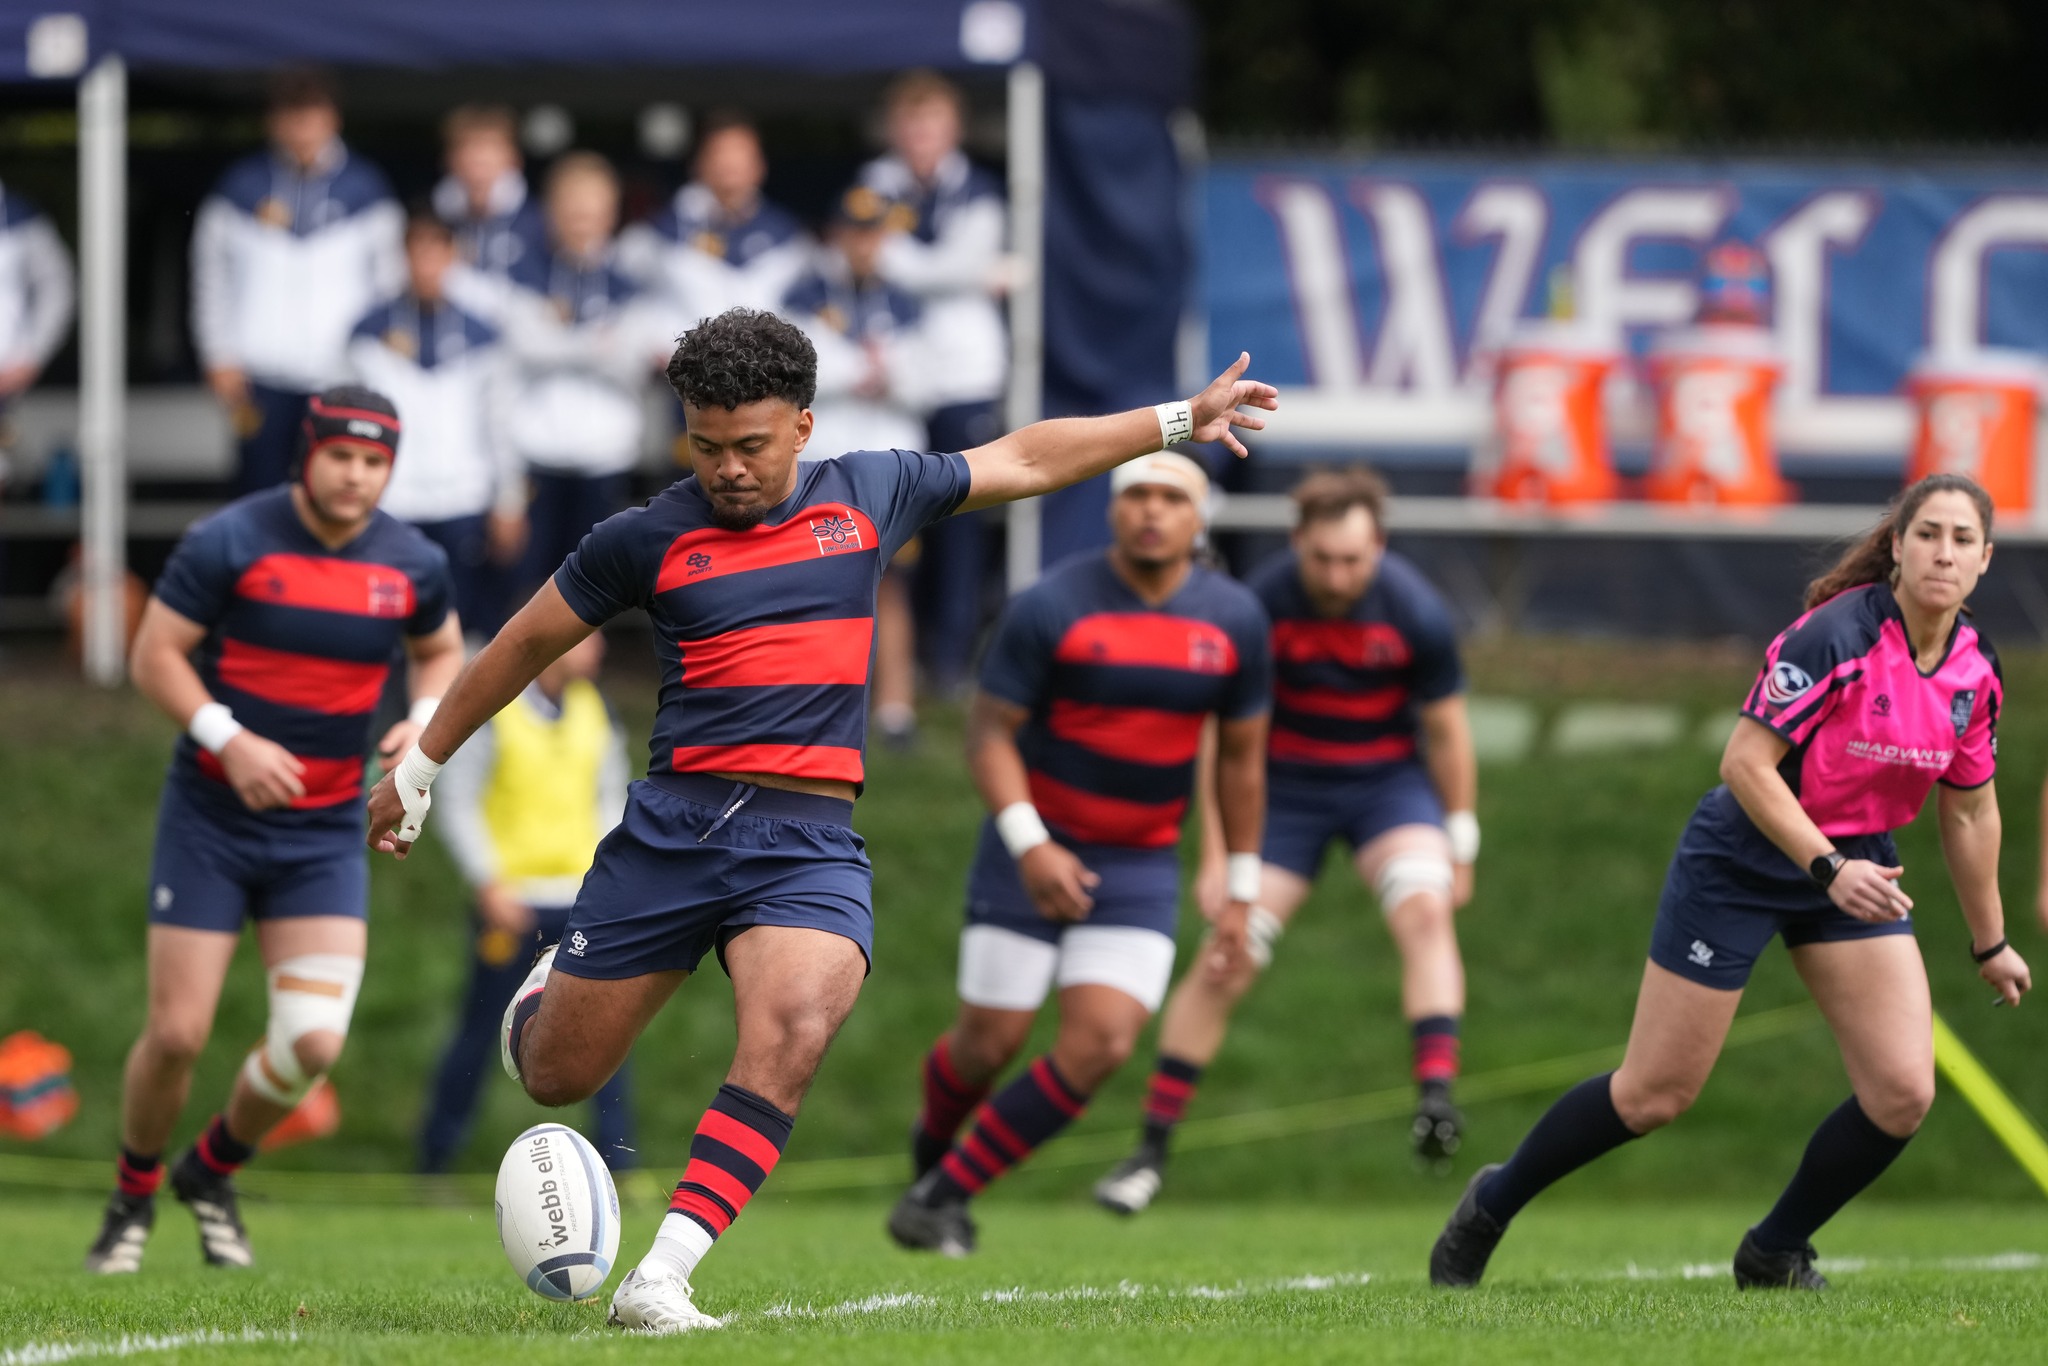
<point>535,981</point>
<point>657,1305</point>
<point>1132,1184</point>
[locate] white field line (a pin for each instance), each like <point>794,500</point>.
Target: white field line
<point>1122,1290</point>
<point>134,1345</point>
<point>1835,1266</point>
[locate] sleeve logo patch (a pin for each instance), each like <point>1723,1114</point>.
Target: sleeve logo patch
<point>1959,708</point>
<point>1786,684</point>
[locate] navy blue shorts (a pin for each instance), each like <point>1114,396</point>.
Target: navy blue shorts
<point>1304,814</point>
<point>671,882</point>
<point>1140,888</point>
<point>1730,891</point>
<point>218,864</point>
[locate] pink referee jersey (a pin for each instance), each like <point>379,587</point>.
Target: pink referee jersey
<point>1870,733</point>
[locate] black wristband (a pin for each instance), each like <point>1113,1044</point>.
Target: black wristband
<point>2000,947</point>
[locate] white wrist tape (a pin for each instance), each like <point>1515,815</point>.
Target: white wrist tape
<point>423,710</point>
<point>212,726</point>
<point>1020,828</point>
<point>1463,828</point>
<point>1176,422</point>
<point>414,778</point>
<point>1241,877</point>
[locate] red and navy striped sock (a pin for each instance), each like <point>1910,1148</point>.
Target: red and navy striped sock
<point>738,1142</point>
<point>1436,1050</point>
<point>220,1151</point>
<point>1023,1115</point>
<point>137,1176</point>
<point>948,1101</point>
<point>1166,1099</point>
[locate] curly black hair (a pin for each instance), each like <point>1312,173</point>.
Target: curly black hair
<point>743,356</point>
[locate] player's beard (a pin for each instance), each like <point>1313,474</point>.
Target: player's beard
<point>737,517</point>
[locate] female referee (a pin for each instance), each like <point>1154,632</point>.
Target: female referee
<point>1879,692</point>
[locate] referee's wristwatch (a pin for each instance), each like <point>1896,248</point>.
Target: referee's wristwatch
<point>1823,869</point>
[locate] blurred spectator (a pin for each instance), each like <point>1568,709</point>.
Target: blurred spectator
<point>293,246</point>
<point>718,244</point>
<point>484,199</point>
<point>36,298</point>
<point>871,361</point>
<point>456,477</point>
<point>522,806</point>
<point>584,344</point>
<point>949,253</point>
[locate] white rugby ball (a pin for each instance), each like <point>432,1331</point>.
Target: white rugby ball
<point>558,1213</point>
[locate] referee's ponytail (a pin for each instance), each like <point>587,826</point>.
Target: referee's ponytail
<point>1870,560</point>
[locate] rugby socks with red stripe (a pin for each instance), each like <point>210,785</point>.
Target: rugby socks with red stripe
<point>1022,1116</point>
<point>219,1151</point>
<point>1166,1099</point>
<point>137,1177</point>
<point>1847,1153</point>
<point>1582,1125</point>
<point>738,1142</point>
<point>948,1101</point>
<point>1436,1050</point>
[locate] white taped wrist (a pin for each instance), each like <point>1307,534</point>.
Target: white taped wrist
<point>414,778</point>
<point>1241,877</point>
<point>1021,829</point>
<point>1463,828</point>
<point>212,726</point>
<point>1176,422</point>
<point>423,710</point>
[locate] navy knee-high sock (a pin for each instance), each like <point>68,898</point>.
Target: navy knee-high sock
<point>1846,1153</point>
<point>1581,1126</point>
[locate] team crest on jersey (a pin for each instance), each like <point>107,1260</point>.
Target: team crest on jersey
<point>1786,684</point>
<point>387,596</point>
<point>1206,656</point>
<point>403,342</point>
<point>1959,708</point>
<point>836,532</point>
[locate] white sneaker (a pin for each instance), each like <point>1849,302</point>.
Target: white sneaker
<point>535,981</point>
<point>657,1305</point>
<point>1130,1185</point>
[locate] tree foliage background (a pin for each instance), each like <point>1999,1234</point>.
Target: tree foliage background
<point>1627,74</point>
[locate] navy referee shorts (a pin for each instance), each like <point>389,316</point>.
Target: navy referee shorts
<point>1730,891</point>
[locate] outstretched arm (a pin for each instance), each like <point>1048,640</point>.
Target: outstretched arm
<point>542,633</point>
<point>1065,450</point>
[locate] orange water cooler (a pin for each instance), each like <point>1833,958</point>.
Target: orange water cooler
<point>1714,385</point>
<point>1974,414</point>
<point>1550,424</point>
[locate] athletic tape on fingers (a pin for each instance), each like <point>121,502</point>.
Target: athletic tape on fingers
<point>2000,1113</point>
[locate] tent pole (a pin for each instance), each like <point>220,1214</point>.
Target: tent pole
<point>102,350</point>
<point>1023,403</point>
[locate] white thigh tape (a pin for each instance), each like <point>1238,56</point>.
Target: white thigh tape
<point>308,994</point>
<point>1137,962</point>
<point>1407,875</point>
<point>1003,970</point>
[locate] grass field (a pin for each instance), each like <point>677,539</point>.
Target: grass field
<point>1293,1165</point>
<point>805,1281</point>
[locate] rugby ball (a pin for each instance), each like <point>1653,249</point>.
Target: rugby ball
<point>558,1213</point>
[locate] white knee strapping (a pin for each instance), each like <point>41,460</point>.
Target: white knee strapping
<point>1137,962</point>
<point>1406,875</point>
<point>1262,931</point>
<point>1003,970</point>
<point>308,994</point>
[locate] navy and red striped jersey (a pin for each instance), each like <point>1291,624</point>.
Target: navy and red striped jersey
<point>764,636</point>
<point>1118,691</point>
<point>1345,689</point>
<point>299,638</point>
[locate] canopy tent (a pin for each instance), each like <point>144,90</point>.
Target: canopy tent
<point>1095,188</point>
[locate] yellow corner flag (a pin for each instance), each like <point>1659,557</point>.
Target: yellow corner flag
<point>1997,1109</point>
